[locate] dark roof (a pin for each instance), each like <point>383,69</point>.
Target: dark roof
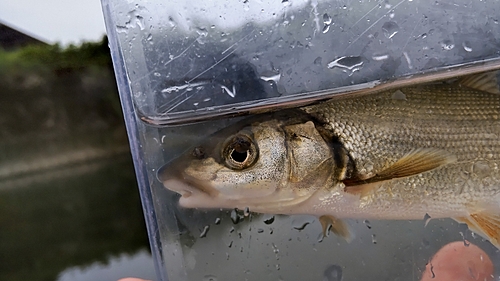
<point>11,38</point>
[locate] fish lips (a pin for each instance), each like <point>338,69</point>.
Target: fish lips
<point>194,193</point>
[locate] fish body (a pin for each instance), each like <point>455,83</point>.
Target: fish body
<point>377,130</point>
<point>426,150</point>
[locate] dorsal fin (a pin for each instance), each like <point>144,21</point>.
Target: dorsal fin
<point>415,162</point>
<point>486,82</point>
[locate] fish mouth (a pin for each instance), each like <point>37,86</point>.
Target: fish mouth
<point>188,186</point>
<point>194,192</point>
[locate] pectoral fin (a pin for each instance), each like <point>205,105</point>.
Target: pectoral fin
<point>486,82</point>
<point>337,226</point>
<point>415,162</point>
<point>484,224</point>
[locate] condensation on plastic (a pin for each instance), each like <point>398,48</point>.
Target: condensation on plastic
<point>182,61</point>
<point>189,60</point>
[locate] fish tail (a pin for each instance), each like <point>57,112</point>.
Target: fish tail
<point>484,224</point>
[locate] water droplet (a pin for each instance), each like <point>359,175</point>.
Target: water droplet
<point>374,239</point>
<point>139,20</point>
<point>447,45</point>
<point>302,226</point>
<point>157,74</point>
<point>235,217</point>
<point>231,93</point>
<point>202,31</point>
<point>275,248</point>
<point>205,231</point>
<point>380,57</point>
<point>326,28</point>
<point>271,77</point>
<point>390,29</point>
<point>466,243</point>
<point>466,45</point>
<point>150,37</point>
<point>269,220</point>
<point>209,278</point>
<point>121,29</point>
<point>230,244</point>
<point>423,35</point>
<point>260,230</point>
<point>217,220</point>
<point>318,61</point>
<point>206,99</point>
<point>172,22</point>
<point>367,223</point>
<point>427,219</point>
<point>348,63</point>
<point>186,87</point>
<point>433,275</point>
<point>327,20</point>
<point>246,212</point>
<point>332,273</point>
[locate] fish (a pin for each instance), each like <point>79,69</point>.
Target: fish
<point>427,150</point>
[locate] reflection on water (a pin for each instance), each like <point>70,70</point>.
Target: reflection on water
<point>83,220</point>
<point>139,264</point>
<point>69,203</point>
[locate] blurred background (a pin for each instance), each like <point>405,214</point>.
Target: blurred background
<point>69,203</point>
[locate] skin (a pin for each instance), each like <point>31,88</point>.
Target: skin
<point>458,262</point>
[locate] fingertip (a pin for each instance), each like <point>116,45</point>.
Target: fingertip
<point>459,261</point>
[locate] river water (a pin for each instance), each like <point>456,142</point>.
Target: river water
<point>81,221</point>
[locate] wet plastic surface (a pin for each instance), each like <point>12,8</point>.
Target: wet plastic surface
<point>190,58</point>
<point>184,61</point>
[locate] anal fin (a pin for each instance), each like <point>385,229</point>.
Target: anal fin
<point>484,224</point>
<point>337,226</point>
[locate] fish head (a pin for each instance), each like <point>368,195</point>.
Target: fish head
<point>268,165</point>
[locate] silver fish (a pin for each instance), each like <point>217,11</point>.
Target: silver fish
<point>426,150</point>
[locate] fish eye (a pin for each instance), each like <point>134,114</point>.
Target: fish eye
<point>239,152</point>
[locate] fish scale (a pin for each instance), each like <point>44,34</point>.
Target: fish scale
<point>426,118</point>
